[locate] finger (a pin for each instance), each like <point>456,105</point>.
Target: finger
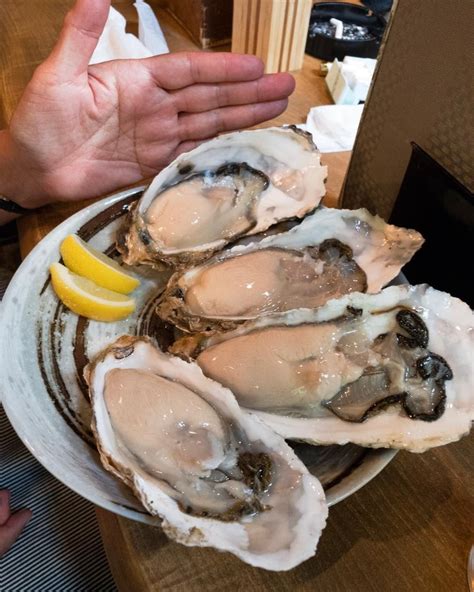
<point>78,39</point>
<point>4,506</point>
<point>205,125</point>
<point>178,70</point>
<point>11,530</point>
<point>187,147</point>
<point>204,97</point>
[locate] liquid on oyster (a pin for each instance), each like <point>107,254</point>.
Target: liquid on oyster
<point>273,280</point>
<point>177,436</point>
<point>236,185</point>
<point>329,254</point>
<point>352,367</point>
<point>215,475</point>
<point>205,207</point>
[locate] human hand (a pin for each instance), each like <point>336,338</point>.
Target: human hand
<point>11,525</point>
<point>80,131</point>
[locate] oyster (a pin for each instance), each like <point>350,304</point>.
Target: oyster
<point>235,185</point>
<point>216,475</point>
<point>331,253</point>
<point>392,369</point>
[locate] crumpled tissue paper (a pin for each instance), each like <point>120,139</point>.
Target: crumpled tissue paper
<point>333,127</point>
<point>115,43</point>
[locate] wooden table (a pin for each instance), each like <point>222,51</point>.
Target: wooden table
<point>409,530</point>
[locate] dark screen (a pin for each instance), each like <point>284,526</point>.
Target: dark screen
<point>433,202</point>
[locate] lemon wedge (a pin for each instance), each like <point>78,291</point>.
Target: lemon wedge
<point>86,298</point>
<point>90,263</point>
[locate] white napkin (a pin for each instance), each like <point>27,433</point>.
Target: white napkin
<point>115,43</point>
<point>349,81</point>
<point>333,127</point>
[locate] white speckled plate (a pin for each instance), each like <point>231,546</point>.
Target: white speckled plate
<point>44,347</point>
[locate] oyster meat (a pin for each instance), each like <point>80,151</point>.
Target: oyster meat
<point>236,185</point>
<point>216,475</point>
<point>392,369</point>
<point>331,253</point>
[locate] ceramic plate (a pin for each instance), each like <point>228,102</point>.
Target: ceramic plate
<point>44,348</point>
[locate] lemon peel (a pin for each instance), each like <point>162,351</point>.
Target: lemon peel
<point>85,298</point>
<point>84,260</point>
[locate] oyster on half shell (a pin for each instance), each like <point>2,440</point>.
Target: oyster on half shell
<point>331,253</point>
<point>216,475</point>
<point>236,185</point>
<point>392,369</point>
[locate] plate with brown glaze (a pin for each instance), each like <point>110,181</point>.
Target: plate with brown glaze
<point>44,348</point>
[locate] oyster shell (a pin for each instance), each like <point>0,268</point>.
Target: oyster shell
<point>392,369</point>
<point>216,475</point>
<point>331,253</point>
<point>235,185</point>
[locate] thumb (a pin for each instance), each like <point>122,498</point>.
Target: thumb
<point>11,530</point>
<point>78,39</point>
<point>4,506</point>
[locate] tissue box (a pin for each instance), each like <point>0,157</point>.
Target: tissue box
<point>209,22</point>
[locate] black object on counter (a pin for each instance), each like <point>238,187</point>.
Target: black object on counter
<point>361,36</point>
<point>379,6</point>
<point>436,204</point>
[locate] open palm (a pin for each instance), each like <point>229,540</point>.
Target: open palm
<point>81,131</point>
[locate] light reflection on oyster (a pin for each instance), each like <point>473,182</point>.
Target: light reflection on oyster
<point>236,185</point>
<point>216,475</point>
<point>392,369</point>
<point>331,253</point>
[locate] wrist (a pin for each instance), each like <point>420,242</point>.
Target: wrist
<point>12,186</point>
<point>17,184</point>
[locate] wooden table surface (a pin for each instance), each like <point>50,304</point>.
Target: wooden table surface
<point>409,530</point>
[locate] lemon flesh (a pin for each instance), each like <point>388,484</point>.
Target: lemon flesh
<point>90,263</point>
<point>86,298</point>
